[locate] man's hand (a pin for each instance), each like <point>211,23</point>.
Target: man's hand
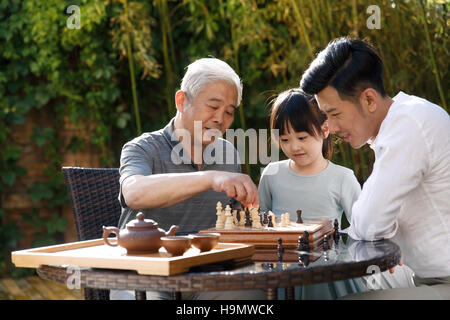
<point>235,185</point>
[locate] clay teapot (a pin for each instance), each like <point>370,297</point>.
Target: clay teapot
<point>140,236</point>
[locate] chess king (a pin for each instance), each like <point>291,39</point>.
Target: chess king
<point>169,191</point>
<point>407,196</point>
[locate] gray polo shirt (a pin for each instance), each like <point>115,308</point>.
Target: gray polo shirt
<point>160,152</point>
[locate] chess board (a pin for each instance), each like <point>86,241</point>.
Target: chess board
<point>267,237</point>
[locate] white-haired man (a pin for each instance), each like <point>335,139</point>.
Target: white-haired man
<point>164,173</point>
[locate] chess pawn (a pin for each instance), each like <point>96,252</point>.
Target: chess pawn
<point>299,216</point>
<point>336,231</point>
<point>242,218</point>
<point>285,222</point>
<point>271,216</point>
<point>258,224</point>
<point>248,221</point>
<point>235,220</point>
<point>288,219</point>
<point>229,218</point>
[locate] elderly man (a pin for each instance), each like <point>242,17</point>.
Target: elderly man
<point>169,175</point>
<point>407,196</point>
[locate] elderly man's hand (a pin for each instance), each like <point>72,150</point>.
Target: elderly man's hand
<point>235,185</point>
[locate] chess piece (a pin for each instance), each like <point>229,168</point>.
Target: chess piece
<point>303,260</point>
<point>220,222</point>
<point>229,218</point>
<point>242,218</point>
<point>265,220</point>
<point>336,231</point>
<point>280,249</point>
<point>299,216</point>
<point>280,245</point>
<point>300,243</point>
<point>287,219</point>
<point>270,224</point>
<point>248,221</point>
<point>235,220</point>
<point>326,244</point>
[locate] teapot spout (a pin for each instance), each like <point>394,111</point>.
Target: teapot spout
<point>172,231</point>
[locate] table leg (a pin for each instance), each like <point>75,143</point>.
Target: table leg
<point>289,293</point>
<point>140,295</point>
<point>272,293</point>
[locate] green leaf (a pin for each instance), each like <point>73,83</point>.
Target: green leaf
<point>9,177</point>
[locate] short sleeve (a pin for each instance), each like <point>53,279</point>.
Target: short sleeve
<point>134,160</point>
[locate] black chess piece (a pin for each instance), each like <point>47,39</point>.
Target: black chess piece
<point>336,231</point>
<point>248,220</point>
<point>265,220</point>
<point>326,244</point>
<point>270,224</point>
<point>303,260</point>
<point>301,246</point>
<point>299,216</point>
<point>238,215</point>
<point>280,245</point>
<point>280,249</point>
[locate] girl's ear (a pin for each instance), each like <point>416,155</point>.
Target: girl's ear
<point>180,99</point>
<point>325,129</point>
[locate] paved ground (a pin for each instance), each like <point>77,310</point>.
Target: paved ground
<point>35,288</point>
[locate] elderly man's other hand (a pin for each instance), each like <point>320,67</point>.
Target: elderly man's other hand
<point>236,185</point>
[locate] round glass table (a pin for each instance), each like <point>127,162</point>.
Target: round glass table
<point>269,269</point>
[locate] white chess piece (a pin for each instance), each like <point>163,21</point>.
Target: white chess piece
<point>235,220</point>
<point>229,218</point>
<point>220,223</point>
<point>242,220</point>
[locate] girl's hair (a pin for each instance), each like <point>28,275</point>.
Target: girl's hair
<point>301,111</point>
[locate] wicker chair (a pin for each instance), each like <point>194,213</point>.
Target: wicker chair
<point>94,194</point>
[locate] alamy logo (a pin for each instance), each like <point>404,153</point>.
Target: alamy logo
<point>374,20</point>
<point>221,152</point>
<point>74,21</point>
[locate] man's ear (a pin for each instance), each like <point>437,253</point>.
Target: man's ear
<point>325,129</point>
<point>368,99</point>
<point>180,99</point>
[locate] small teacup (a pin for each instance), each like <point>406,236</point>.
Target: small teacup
<point>205,241</point>
<point>176,245</point>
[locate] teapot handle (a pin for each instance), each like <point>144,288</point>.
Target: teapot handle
<point>107,231</point>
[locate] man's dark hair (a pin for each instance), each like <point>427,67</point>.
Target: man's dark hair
<point>348,65</point>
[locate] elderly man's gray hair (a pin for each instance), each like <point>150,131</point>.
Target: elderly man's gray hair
<point>207,70</point>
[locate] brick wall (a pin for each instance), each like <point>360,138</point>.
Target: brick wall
<point>16,200</point>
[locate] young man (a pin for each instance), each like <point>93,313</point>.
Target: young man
<point>407,196</point>
<point>177,175</point>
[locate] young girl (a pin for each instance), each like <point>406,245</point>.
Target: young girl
<point>307,180</point>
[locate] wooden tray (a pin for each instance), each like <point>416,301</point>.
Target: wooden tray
<point>267,238</point>
<point>95,254</point>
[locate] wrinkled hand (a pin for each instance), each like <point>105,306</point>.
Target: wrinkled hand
<point>236,185</point>
<point>391,270</point>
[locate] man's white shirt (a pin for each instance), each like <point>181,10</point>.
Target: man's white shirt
<point>407,196</point>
